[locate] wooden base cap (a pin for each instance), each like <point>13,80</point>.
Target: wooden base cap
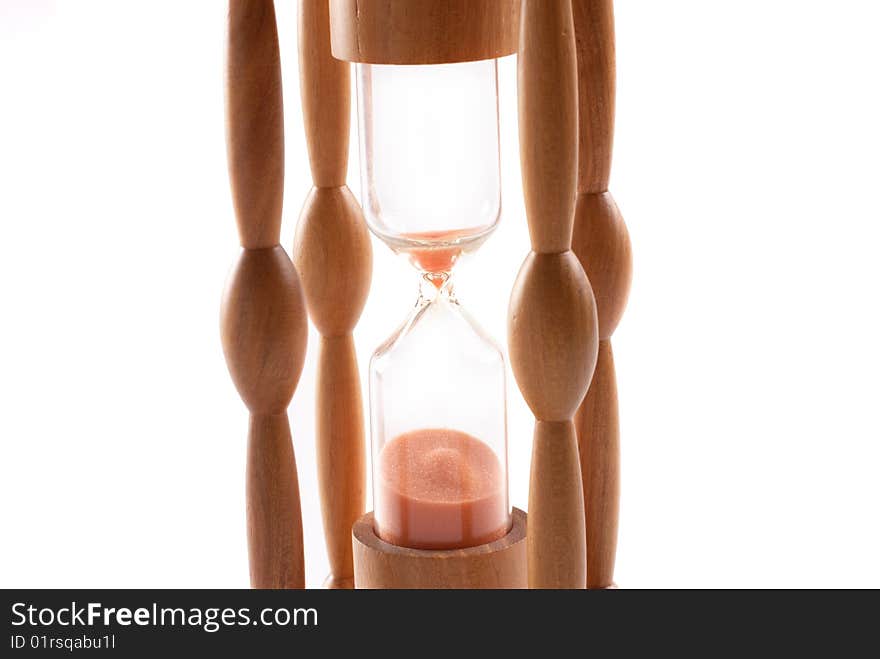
<point>499,564</point>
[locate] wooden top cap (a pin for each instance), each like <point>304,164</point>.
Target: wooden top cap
<point>423,31</point>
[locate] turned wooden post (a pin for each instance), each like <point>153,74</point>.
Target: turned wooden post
<point>263,315</point>
<point>552,324</point>
<point>333,255</point>
<point>602,244</point>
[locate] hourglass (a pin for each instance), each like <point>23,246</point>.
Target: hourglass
<point>428,112</point>
<point>430,180</point>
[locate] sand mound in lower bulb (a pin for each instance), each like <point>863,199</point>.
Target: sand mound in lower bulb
<point>440,489</point>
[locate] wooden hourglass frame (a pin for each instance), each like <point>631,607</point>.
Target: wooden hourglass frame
<point>559,325</point>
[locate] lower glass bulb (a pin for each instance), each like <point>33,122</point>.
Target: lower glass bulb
<point>439,429</point>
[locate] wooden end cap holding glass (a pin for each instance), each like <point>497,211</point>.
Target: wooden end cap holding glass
<point>500,564</point>
<point>423,31</point>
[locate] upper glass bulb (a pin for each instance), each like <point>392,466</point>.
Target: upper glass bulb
<point>430,158</point>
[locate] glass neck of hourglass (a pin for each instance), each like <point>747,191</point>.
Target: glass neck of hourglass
<point>436,285</point>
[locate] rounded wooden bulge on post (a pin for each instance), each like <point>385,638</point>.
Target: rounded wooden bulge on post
<point>427,88</point>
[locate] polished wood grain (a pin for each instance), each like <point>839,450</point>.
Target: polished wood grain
<point>325,91</point>
<point>333,254</point>
<point>263,316</point>
<point>552,322</point>
<point>254,121</point>
<point>556,511</point>
<point>597,421</point>
<point>602,243</point>
<point>341,453</point>
<point>275,541</point>
<point>594,32</point>
<point>552,334</point>
<point>548,116</point>
<point>497,565</point>
<point>263,327</point>
<point>423,31</point>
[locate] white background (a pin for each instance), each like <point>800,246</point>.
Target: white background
<point>746,164</point>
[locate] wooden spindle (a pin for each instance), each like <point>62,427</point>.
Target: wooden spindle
<point>333,255</point>
<point>602,244</point>
<point>263,315</point>
<point>552,326</point>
